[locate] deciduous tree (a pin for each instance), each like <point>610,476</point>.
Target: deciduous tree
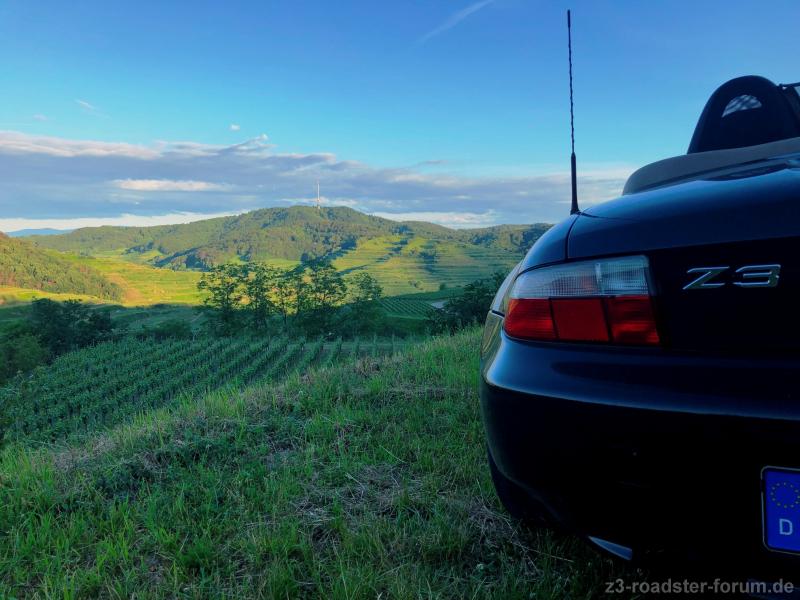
<point>225,287</point>
<point>365,313</point>
<point>323,290</point>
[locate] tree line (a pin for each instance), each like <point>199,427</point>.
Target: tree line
<point>24,265</point>
<point>52,328</point>
<point>468,308</point>
<point>313,297</point>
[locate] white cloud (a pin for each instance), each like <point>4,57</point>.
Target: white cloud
<point>47,177</point>
<point>235,127</point>
<point>312,201</point>
<point>39,117</point>
<point>12,142</point>
<point>455,220</point>
<point>124,220</point>
<point>454,20</point>
<point>168,185</point>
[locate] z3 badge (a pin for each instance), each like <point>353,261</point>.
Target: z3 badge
<point>749,276</point>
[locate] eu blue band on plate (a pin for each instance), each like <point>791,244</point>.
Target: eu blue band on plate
<point>782,510</point>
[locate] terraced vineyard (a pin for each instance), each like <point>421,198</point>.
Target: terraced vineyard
<point>143,284</point>
<point>404,264</point>
<point>406,307</point>
<point>111,382</point>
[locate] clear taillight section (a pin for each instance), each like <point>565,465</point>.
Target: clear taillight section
<point>605,301</point>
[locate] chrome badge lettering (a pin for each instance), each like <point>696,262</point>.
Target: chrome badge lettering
<point>758,276</point>
<point>703,282</point>
<point>749,276</point>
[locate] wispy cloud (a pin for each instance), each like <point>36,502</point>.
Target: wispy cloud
<point>90,108</point>
<point>235,127</point>
<point>12,142</point>
<point>85,105</point>
<point>454,20</point>
<point>39,117</point>
<point>168,185</point>
<point>86,178</point>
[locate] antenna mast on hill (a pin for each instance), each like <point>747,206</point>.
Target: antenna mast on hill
<point>319,205</point>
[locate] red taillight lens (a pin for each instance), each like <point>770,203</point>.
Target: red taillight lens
<point>530,318</point>
<point>582,319</point>
<point>631,319</point>
<point>606,301</point>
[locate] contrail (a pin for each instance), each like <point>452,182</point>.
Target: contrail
<point>454,20</point>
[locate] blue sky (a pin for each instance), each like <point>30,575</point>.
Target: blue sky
<point>451,110</point>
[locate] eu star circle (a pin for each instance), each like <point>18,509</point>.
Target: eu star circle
<point>785,494</point>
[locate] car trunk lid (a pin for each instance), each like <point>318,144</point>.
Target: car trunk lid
<point>750,219</point>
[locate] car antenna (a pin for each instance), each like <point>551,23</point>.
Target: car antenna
<point>574,210</point>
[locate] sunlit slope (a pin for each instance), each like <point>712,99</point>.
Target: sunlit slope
<point>404,264</point>
<point>143,285</point>
<point>26,266</point>
<point>291,234</point>
<point>10,296</point>
<point>162,264</point>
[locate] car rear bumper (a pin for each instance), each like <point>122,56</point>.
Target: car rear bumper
<point>654,451</point>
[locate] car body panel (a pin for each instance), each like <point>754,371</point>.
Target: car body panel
<point>661,449</point>
<point>551,247</point>
<point>750,205</point>
<point>654,450</point>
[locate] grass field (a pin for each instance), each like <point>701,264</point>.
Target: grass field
<point>366,479</point>
<point>15,303</point>
<point>142,284</point>
<point>15,306</point>
<point>10,296</point>
<point>404,266</point>
<point>401,265</point>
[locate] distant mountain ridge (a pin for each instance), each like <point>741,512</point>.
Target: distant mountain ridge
<point>294,234</point>
<point>23,265</point>
<point>43,231</point>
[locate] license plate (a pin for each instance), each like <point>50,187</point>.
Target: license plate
<point>781,502</point>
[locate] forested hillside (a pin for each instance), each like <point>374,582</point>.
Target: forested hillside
<point>23,265</point>
<point>293,234</point>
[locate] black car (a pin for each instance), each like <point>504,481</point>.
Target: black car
<point>640,368</point>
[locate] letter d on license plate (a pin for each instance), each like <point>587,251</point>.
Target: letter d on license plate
<point>781,502</point>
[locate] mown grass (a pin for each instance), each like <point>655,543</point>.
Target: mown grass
<point>367,479</point>
<point>10,296</point>
<point>143,284</point>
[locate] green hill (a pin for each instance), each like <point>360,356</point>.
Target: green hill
<point>23,265</point>
<point>293,234</point>
<point>403,256</point>
<point>364,479</point>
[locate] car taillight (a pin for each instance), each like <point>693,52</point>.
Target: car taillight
<point>606,301</point>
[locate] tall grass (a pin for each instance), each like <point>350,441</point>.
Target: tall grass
<point>364,479</point>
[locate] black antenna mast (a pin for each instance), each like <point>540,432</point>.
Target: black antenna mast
<point>574,209</point>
